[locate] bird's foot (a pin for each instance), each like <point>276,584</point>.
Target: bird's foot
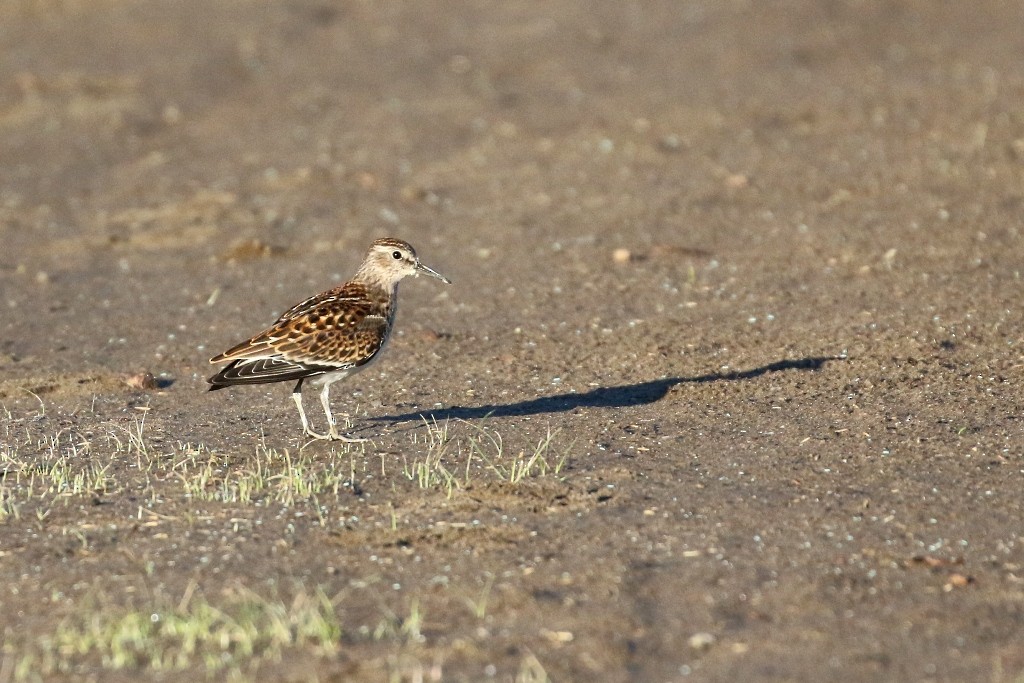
<point>318,437</point>
<point>335,435</point>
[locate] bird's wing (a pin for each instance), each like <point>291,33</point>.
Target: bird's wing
<point>350,291</point>
<point>262,371</point>
<point>333,333</point>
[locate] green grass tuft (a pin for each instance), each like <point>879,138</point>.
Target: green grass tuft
<point>246,630</point>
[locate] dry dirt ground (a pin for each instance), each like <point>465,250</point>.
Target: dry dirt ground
<point>728,386</point>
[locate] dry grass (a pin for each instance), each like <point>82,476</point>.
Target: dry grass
<point>45,471</point>
<point>239,632</point>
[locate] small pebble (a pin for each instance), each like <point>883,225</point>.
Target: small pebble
<point>737,181</point>
<point>142,380</point>
<point>702,641</point>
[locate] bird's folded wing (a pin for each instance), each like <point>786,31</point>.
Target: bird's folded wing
<point>333,334</point>
<point>261,370</point>
<point>350,292</point>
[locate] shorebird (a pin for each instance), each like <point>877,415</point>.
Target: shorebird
<point>330,336</point>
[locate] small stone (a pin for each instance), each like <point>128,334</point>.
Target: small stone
<point>670,143</point>
<point>171,115</point>
<point>367,181</point>
<point>622,255</point>
<point>251,250</point>
<point>702,641</point>
<point>557,636</point>
<point>143,380</point>
<point>957,580</point>
<point>737,181</point>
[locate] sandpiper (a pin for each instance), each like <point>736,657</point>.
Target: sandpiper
<point>330,336</point>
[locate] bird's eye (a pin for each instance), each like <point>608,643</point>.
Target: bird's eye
<point>397,255</point>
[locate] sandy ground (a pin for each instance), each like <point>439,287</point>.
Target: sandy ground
<point>736,295</point>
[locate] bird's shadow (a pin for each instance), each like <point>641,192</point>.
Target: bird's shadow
<point>603,397</point>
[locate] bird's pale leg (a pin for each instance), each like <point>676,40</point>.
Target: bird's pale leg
<point>297,397</point>
<point>325,399</point>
